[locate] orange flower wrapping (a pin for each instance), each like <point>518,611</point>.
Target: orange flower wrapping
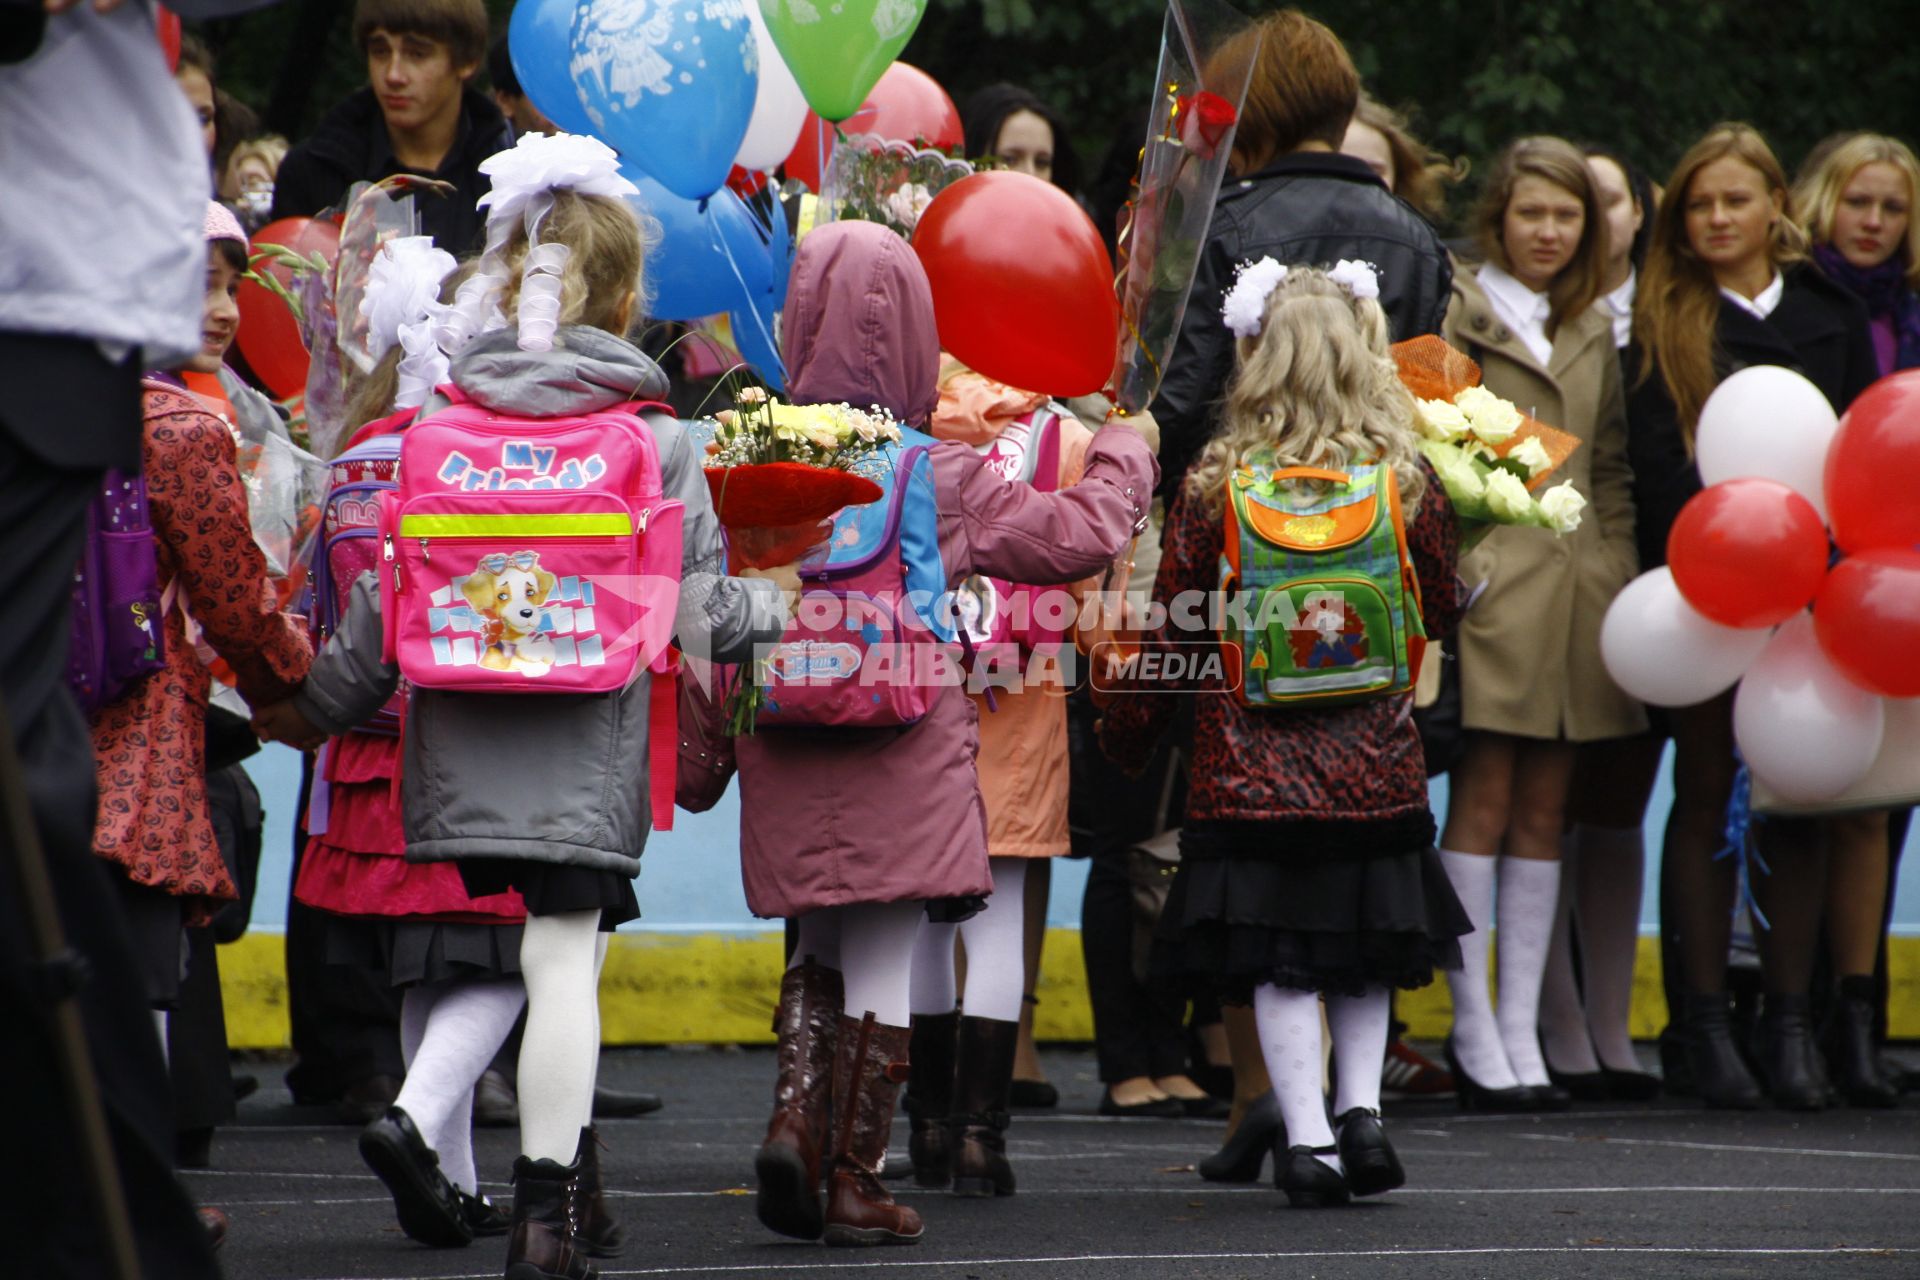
<point>1433,370</point>
<point>776,512</point>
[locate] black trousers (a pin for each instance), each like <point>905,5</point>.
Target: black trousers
<point>55,1231</point>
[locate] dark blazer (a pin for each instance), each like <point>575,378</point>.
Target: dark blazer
<point>351,145</point>
<point>1312,209</point>
<point>1819,330</point>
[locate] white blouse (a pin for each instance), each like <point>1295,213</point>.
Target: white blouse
<point>1618,307</point>
<point>1763,304</point>
<point>1524,311</point>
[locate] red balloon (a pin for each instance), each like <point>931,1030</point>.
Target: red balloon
<point>907,105</point>
<point>1867,617</point>
<point>1748,552</point>
<point>269,336</point>
<point>169,32</point>
<point>1873,467</point>
<point>1022,286</point>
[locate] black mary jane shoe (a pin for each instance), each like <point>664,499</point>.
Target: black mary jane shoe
<point>483,1216</point>
<point>1157,1109</point>
<point>1241,1157</point>
<point>1369,1161</point>
<point>1474,1096</point>
<point>425,1202</point>
<point>1309,1182</point>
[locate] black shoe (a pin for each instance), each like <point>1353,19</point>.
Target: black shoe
<point>1630,1086</point>
<point>1158,1109</point>
<point>495,1104</point>
<point>609,1104</point>
<point>1216,1080</point>
<point>1240,1158</point>
<point>1205,1108</point>
<point>1854,1058</point>
<point>928,1100</point>
<point>367,1100</point>
<point>1549,1097</point>
<point>1035,1094</point>
<point>1584,1086</point>
<point>1308,1182</point>
<point>484,1217</point>
<point>1719,1075</point>
<point>1783,1046</point>
<point>193,1148</point>
<point>1475,1096</point>
<point>425,1202</point>
<point>1368,1159</point>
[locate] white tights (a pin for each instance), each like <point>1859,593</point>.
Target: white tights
<point>1289,1025</point>
<point>560,958</point>
<point>449,1032</point>
<point>871,944</point>
<point>996,957</point>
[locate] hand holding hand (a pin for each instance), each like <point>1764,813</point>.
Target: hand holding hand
<point>282,722</point>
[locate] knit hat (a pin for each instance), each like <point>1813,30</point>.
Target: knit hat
<point>222,225</point>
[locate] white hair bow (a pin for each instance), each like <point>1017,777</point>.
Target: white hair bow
<point>1254,282</point>
<point>402,304</point>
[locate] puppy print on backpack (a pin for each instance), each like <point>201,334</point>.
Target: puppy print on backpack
<point>510,592</point>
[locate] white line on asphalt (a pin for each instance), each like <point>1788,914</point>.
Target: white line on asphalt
<point>1720,1146</point>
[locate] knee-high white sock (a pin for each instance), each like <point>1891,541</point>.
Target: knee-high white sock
<point>1529,894</point>
<point>996,946</point>
<point>466,1026</point>
<point>1612,863</point>
<point>1359,1026</point>
<point>876,958</point>
<point>1289,1024</point>
<point>562,1043</point>
<point>933,990</point>
<point>1563,1015</point>
<point>1475,1035</point>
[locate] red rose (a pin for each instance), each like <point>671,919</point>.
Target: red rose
<point>1205,120</point>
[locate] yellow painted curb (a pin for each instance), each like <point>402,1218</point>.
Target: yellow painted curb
<point>719,988</point>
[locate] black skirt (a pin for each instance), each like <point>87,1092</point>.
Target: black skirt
<point>550,889</point>
<point>1240,913</point>
<point>411,951</point>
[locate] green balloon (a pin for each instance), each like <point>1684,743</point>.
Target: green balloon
<point>838,49</point>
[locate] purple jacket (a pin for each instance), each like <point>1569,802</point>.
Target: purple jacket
<point>832,817</point>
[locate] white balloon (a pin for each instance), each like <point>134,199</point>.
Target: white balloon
<point>1662,650</point>
<point>779,108</point>
<point>1769,422</point>
<point>1806,730</point>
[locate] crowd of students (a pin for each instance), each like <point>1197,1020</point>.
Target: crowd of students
<point>442,895</point>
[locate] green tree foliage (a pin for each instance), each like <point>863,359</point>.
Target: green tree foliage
<point>1646,76</point>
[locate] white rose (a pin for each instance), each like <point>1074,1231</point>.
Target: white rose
<point>1508,499</point>
<point>1532,455</point>
<point>1562,505</point>
<point>1457,475</point>
<point>1494,420</point>
<point>1439,420</point>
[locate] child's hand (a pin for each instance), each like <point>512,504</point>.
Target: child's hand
<point>282,722</point>
<point>784,576</point>
<point>1142,422</point>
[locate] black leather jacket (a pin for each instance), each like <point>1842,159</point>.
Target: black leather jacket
<point>1309,209</point>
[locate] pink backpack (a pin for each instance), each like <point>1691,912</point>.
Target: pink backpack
<point>534,555</point>
<point>1004,622</point>
<point>349,542</point>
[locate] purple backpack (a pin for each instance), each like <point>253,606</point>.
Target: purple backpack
<point>117,635</point>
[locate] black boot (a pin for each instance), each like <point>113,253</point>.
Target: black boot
<point>427,1205</point>
<point>929,1097</point>
<point>1852,1055</point>
<point>601,1235</point>
<point>1783,1046</point>
<point>1720,1076</point>
<point>544,1242</point>
<point>982,1081</point>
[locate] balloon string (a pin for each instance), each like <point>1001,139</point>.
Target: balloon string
<point>1742,845</point>
<point>779,371</point>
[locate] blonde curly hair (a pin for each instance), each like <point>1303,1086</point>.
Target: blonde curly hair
<point>1315,387</point>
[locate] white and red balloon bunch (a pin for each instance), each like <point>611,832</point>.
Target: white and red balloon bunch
<point>1796,573</point>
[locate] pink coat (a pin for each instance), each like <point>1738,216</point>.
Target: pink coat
<point>833,817</point>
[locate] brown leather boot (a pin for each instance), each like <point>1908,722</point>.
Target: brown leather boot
<point>789,1163</point>
<point>982,1081</point>
<point>601,1235</point>
<point>867,1075</point>
<point>930,1097</point>
<point>543,1244</point>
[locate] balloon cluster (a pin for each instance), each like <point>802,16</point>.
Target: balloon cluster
<point>1795,572</point>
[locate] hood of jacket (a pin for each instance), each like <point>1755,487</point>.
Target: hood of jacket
<point>859,323</point>
<point>973,408</point>
<point>587,370</point>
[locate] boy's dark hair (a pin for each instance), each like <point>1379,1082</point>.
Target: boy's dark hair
<point>500,73</point>
<point>461,25</point>
<point>232,252</point>
<point>1304,87</point>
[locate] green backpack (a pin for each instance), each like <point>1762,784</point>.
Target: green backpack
<point>1323,602</point>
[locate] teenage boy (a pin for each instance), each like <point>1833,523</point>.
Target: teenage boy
<point>417,115</point>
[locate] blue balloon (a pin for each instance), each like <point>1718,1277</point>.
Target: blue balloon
<point>756,348</point>
<point>539,40</point>
<point>711,257</point>
<point>670,84</point>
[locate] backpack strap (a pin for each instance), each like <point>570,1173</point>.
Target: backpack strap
<point>1046,467</point>
<point>663,741</point>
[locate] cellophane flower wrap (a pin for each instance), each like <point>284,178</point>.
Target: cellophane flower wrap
<point>1196,108</point>
<point>779,473</point>
<point>1493,460</point>
<point>873,179</point>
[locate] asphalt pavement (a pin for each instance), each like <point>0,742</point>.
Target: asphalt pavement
<point>1606,1191</point>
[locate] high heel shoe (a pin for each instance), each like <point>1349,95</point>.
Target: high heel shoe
<point>1475,1096</point>
<point>1630,1086</point>
<point>1310,1183</point>
<point>1241,1157</point>
<point>1549,1096</point>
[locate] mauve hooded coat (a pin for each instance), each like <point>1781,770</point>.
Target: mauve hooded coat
<point>836,816</point>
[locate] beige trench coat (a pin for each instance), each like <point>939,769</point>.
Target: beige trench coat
<point>1529,647</point>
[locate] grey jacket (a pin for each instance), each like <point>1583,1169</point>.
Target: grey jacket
<point>558,778</point>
